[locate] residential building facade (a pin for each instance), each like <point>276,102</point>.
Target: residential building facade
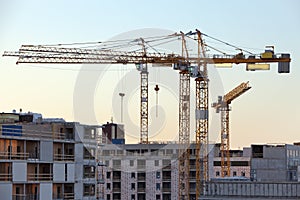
<point>50,159</point>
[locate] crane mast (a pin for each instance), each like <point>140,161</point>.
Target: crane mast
<point>201,119</point>
<point>143,68</point>
<point>223,106</point>
<point>184,128</point>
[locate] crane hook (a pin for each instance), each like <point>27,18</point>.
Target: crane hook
<point>156,90</point>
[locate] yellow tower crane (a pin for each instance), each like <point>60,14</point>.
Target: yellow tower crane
<point>189,66</point>
<point>223,106</point>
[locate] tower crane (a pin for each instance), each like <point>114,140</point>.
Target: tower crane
<point>189,66</point>
<point>223,106</point>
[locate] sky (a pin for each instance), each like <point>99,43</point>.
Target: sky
<point>268,113</point>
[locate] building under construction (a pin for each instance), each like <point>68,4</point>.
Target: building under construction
<point>150,171</point>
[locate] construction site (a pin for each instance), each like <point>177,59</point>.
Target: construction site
<point>68,160</point>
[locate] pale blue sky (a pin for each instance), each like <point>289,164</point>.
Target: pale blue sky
<point>268,113</point>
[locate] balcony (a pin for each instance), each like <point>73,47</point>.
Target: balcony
<point>69,195</point>
<point>166,178</point>
<point>5,177</point>
<point>13,155</point>
<point>116,190</point>
<point>141,190</point>
<point>62,157</point>
<point>166,190</point>
<point>39,177</point>
<point>141,176</point>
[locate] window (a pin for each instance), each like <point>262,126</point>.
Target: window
<point>169,151</point>
<point>132,174</point>
<point>141,162</point>
<point>88,171</point>
<point>131,162</point>
<point>157,186</point>
<point>133,186</point>
<point>243,174</point>
<point>88,153</point>
<point>157,174</point>
<point>107,163</point>
<point>105,152</point>
<point>158,197</point>
<point>119,152</point>
<point>217,173</point>
<point>108,196</point>
<point>234,173</point>
<point>88,190</point>
<point>108,175</point>
<point>108,186</point>
<point>132,197</point>
<point>116,162</point>
<point>156,162</point>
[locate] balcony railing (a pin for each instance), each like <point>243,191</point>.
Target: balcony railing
<point>5,177</point>
<point>141,189</point>
<point>141,178</point>
<point>25,197</point>
<point>116,178</point>
<point>69,195</point>
<point>62,157</point>
<point>117,189</point>
<point>39,177</point>
<point>13,156</point>
<point>166,189</point>
<point>166,178</point>
<point>89,175</point>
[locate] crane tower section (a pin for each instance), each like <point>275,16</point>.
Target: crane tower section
<point>223,106</point>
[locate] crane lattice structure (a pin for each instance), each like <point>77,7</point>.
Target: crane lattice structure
<point>142,52</point>
<point>223,106</point>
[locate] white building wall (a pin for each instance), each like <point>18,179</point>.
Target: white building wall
<point>71,172</point>
<point>58,172</point>
<point>46,151</point>
<point>19,171</point>
<point>46,191</point>
<point>6,191</point>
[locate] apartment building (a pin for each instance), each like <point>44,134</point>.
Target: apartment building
<point>46,158</point>
<point>239,162</point>
<point>275,163</point>
<point>144,171</point>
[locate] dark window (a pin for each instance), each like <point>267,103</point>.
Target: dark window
<point>243,174</point>
<point>108,175</point>
<point>108,186</point>
<point>133,186</point>
<point>157,186</point>
<point>156,162</point>
<point>233,163</point>
<point>217,173</point>
<point>88,190</point>
<point>157,174</point>
<point>133,175</point>
<point>132,197</point>
<point>234,173</point>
